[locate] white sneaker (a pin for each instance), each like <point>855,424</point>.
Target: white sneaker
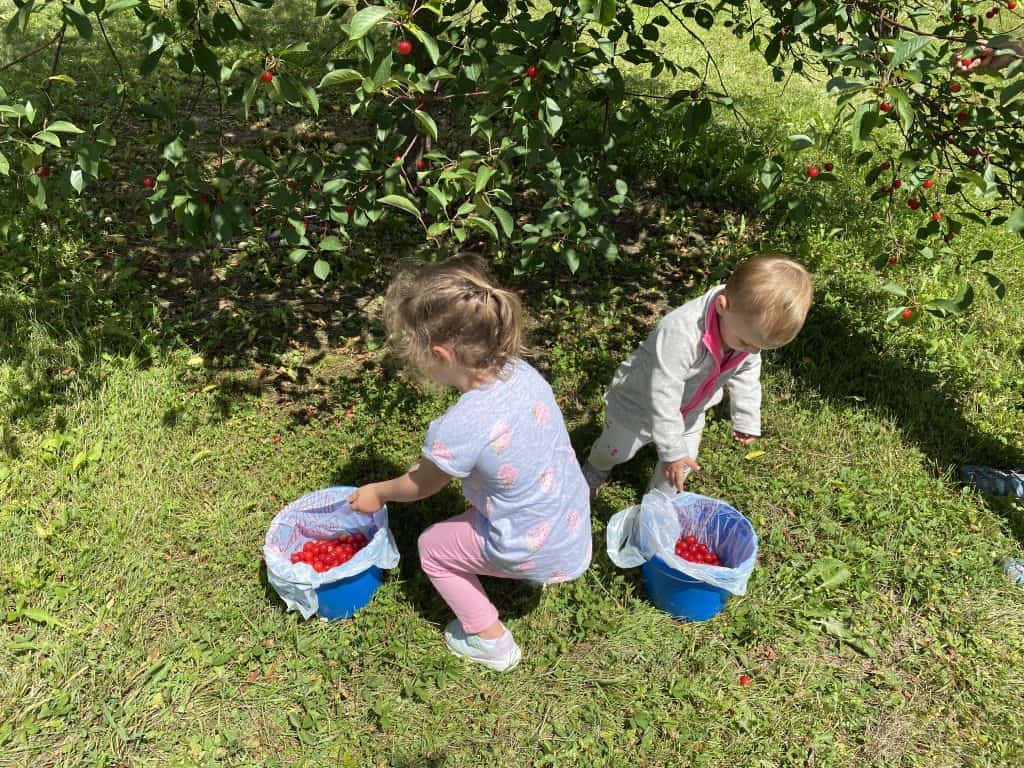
<point>500,654</point>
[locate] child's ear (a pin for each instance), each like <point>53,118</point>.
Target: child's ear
<point>721,302</point>
<point>443,354</point>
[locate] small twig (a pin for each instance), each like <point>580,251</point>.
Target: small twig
<point>120,69</point>
<point>34,51</point>
<point>53,70</point>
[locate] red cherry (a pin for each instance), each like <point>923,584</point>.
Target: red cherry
<point>420,165</point>
<point>886,165</point>
<point>308,546</point>
<point>974,152</point>
<point>277,439</point>
<point>948,237</point>
<point>991,13</point>
<point>885,190</point>
<point>350,210</point>
<point>702,549</point>
<point>405,47</point>
<point>296,556</point>
<point>907,313</point>
<point>532,72</point>
<point>966,60</point>
<point>885,106</point>
<point>897,183</point>
<point>914,203</point>
<point>43,171</point>
<point>954,87</point>
<point>962,116</point>
<point>813,172</point>
<point>691,541</point>
<point>148,183</point>
<point>745,680</point>
<point>893,260</point>
<point>694,95</point>
<point>267,77</point>
<point>928,184</point>
<point>936,216</point>
<point>397,159</point>
<point>1012,5</point>
<point>829,167</point>
<point>971,19</point>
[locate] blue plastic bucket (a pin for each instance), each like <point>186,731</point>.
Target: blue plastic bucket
<point>341,599</point>
<point>680,595</point>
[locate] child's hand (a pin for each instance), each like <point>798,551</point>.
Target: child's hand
<point>365,500</point>
<point>675,471</point>
<point>743,437</point>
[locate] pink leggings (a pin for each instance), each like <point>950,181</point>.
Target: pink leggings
<point>450,555</point>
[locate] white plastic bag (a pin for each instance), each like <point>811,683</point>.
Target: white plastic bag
<point>323,514</point>
<point>637,534</point>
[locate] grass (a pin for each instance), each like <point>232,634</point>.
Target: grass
<point>143,462</point>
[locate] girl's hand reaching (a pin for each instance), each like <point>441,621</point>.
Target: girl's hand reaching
<point>366,499</point>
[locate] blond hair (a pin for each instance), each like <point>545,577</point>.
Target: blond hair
<point>775,291</point>
<point>454,303</point>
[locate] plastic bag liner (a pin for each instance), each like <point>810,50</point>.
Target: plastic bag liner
<point>323,514</point>
<point>637,534</point>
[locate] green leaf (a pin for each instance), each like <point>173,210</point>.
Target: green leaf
<point>1015,223</point>
<point>40,616</point>
<point>483,175</point>
<point>207,62</point>
<point>337,76</point>
<point>331,243</point>
<point>484,224</point>
<point>77,180</point>
<point>504,219</point>
<point>365,20</point>
<point>827,573</point>
<point>907,49</point>
<point>321,269</point>
<point>399,201</point>
<point>121,5</point>
<point>428,42</point>
<point>50,138</point>
<point>427,122</point>
<point>81,22</point>
<point>1012,91</point>
<point>895,290</point>
<point>800,141</point>
<point>63,126</point>
<point>606,12</point>
<point>5,166</point>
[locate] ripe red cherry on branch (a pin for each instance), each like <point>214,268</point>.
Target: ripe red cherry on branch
<point>813,172</point>
<point>962,116</point>
<point>893,260</point>
<point>43,171</point>
<point>948,237</point>
<point>885,106</point>
<point>1012,5</point>
<point>404,47</point>
<point>694,95</point>
<point>954,87</point>
<point>744,680</point>
<point>350,210</point>
<point>267,77</point>
<point>897,183</point>
<point>829,167</point>
<point>532,71</point>
<point>936,216</point>
<point>914,203</point>
<point>420,165</point>
<point>147,183</point>
<point>907,313</point>
<point>928,184</point>
<point>886,165</point>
